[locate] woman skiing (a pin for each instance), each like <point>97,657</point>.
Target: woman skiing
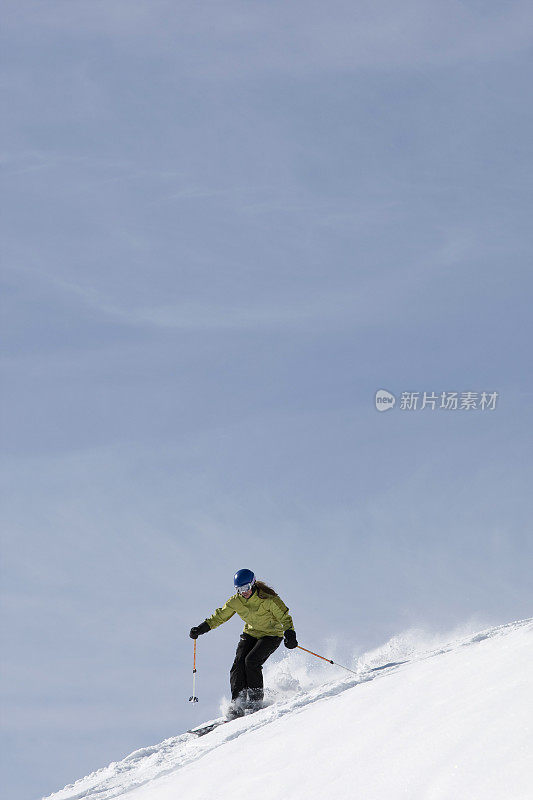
<point>267,622</point>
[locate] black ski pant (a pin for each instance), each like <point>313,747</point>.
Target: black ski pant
<point>247,669</point>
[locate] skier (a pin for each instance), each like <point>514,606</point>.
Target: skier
<point>267,622</point>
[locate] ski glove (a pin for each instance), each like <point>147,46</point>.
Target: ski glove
<point>197,631</point>
<point>290,639</point>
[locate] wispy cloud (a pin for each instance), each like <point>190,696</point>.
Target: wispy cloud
<point>296,37</point>
<point>360,299</point>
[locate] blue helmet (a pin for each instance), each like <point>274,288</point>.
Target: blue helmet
<point>243,580</point>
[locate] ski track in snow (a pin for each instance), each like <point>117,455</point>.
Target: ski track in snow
<point>148,763</point>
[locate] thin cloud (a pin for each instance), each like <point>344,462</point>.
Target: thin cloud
<point>360,299</point>
<point>215,40</point>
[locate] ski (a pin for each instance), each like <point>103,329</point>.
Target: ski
<point>201,730</point>
<point>386,666</point>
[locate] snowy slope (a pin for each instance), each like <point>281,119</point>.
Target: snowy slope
<point>454,723</point>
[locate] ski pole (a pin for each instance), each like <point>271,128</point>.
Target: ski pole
<point>327,659</point>
<point>193,698</point>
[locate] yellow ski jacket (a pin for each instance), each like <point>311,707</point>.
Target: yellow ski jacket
<point>264,616</point>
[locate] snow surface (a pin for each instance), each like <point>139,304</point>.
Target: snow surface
<point>451,723</point>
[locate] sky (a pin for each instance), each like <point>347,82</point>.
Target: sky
<point>224,228</point>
